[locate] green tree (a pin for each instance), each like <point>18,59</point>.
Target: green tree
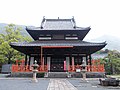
<point>112,62</point>
<point>8,54</point>
<point>116,66</point>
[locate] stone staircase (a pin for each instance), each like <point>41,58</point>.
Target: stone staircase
<point>57,74</point>
<point>73,75</point>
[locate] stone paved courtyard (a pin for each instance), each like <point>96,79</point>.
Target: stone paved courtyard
<point>52,84</point>
<point>23,84</point>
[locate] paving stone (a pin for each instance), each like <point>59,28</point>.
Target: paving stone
<point>60,84</point>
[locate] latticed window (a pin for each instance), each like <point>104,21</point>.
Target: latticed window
<point>78,60</point>
<point>58,37</point>
<point>71,36</point>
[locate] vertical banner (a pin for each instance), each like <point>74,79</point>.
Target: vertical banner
<point>65,65</point>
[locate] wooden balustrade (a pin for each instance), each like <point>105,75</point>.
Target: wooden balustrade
<point>20,68</point>
<point>44,68</point>
<point>27,68</point>
<point>94,68</point>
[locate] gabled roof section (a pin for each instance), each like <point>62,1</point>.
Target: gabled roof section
<point>57,24</point>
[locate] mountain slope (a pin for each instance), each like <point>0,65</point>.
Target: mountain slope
<point>113,43</point>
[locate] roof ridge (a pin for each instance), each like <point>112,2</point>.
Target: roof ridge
<point>58,19</point>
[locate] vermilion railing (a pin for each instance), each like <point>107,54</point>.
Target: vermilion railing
<point>27,68</point>
<point>44,68</point>
<point>94,68</point>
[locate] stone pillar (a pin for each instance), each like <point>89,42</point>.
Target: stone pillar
<point>84,76</point>
<point>48,63</point>
<point>67,63</point>
<point>73,68</point>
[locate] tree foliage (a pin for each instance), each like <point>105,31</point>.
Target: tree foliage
<point>112,62</point>
<point>12,34</point>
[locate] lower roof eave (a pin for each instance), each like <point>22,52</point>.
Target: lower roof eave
<point>74,49</point>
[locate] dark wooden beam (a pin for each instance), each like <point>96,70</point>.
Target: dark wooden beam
<point>90,62</point>
<point>25,59</point>
<point>86,60</point>
<point>29,60</point>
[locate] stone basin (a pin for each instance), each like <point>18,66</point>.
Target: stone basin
<point>109,82</point>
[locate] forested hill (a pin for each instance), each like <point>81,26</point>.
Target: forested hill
<point>23,31</point>
<point>2,29</point>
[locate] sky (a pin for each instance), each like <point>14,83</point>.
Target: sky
<point>103,16</point>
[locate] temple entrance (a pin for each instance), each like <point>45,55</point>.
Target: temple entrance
<point>57,64</point>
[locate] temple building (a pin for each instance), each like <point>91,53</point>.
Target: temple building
<point>58,46</point>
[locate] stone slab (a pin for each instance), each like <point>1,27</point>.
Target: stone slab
<point>60,84</point>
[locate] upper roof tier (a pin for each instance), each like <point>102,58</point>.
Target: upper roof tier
<point>61,26</point>
<point>57,24</point>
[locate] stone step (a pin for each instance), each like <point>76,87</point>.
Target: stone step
<point>57,74</point>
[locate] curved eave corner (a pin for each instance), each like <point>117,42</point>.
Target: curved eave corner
<point>99,47</point>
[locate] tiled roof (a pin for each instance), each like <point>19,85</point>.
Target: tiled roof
<point>58,43</point>
<point>80,47</point>
<point>58,24</point>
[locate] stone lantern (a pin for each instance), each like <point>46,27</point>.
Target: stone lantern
<point>35,66</point>
<point>84,70</point>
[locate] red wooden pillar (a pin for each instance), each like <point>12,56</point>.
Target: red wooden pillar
<point>90,63</point>
<point>42,59</point>
<point>43,63</point>
<point>64,65</point>
<point>73,67</point>
<point>41,55</point>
